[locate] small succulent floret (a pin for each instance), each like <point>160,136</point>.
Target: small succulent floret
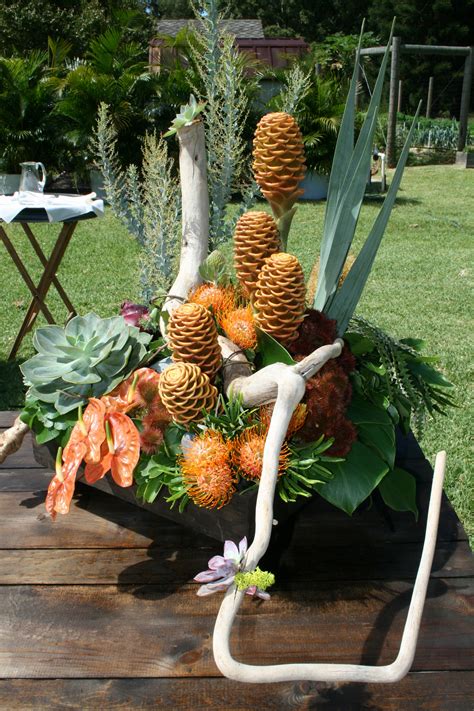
<point>87,358</point>
<point>255,582</point>
<point>222,569</point>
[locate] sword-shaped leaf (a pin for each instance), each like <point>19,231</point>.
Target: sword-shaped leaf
<point>347,297</point>
<point>341,222</point>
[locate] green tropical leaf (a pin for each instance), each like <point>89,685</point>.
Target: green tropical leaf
<point>354,479</point>
<point>429,374</point>
<point>398,490</point>
<point>374,427</point>
<point>272,351</point>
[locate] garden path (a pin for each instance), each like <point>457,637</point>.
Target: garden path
<point>98,612</point>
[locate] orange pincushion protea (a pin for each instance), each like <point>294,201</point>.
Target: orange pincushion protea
<point>207,472</point>
<point>247,456</point>
<point>221,299</point>
<point>239,326</point>
<point>297,420</point>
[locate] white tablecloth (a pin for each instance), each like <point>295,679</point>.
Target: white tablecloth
<point>57,207</point>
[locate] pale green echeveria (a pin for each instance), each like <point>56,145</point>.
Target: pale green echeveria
<point>87,358</point>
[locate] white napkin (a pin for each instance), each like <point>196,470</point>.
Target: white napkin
<point>58,207</point>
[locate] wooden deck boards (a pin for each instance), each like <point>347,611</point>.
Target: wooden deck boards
<point>98,611</point>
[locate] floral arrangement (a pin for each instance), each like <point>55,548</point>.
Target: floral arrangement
<point>148,395</point>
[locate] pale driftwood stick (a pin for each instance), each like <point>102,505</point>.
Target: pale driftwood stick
<point>332,673</point>
<point>195,213</point>
<point>234,363</point>
<point>12,439</point>
<point>262,387</point>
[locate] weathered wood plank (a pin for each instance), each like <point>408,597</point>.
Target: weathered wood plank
<point>23,459</point>
<point>25,479</point>
<point>97,520</point>
<point>169,561</point>
<point>146,631</point>
<point>433,691</point>
<point>7,417</point>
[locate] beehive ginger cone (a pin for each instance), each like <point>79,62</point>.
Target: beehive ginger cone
<point>192,335</point>
<point>314,277</point>
<point>280,297</point>
<point>279,160</point>
<point>255,238</point>
<point>186,391</point>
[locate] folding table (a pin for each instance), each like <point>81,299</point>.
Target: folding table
<point>35,208</point>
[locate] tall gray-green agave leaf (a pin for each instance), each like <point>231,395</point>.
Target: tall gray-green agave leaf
<point>347,184</point>
<point>87,358</point>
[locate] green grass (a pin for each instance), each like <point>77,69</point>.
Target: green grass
<point>421,286</point>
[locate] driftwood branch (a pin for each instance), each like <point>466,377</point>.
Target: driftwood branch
<point>333,673</point>
<point>12,439</point>
<point>195,212</point>
<point>262,387</point>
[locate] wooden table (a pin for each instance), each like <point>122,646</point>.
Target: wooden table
<point>50,264</point>
<point>97,611</point>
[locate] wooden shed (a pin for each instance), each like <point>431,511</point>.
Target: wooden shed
<point>249,37</point>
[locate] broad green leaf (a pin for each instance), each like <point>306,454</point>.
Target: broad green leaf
<point>354,479</point>
<point>339,228</point>
<point>46,435</point>
<point>360,345</point>
<point>374,427</point>
<point>398,490</point>
<point>272,351</point>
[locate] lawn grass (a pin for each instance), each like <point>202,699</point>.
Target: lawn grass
<point>421,286</point>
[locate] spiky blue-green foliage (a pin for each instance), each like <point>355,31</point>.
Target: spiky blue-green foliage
<point>148,204</point>
<point>87,358</point>
<point>226,91</point>
<point>347,184</point>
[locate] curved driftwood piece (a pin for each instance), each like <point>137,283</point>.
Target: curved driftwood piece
<point>12,439</point>
<point>332,673</point>
<point>195,212</point>
<point>263,386</point>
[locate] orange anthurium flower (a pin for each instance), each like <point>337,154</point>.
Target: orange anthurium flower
<point>138,390</point>
<point>85,442</point>
<point>120,453</point>
<point>90,429</point>
<point>61,487</point>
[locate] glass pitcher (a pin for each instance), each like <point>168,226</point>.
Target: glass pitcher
<point>30,177</point>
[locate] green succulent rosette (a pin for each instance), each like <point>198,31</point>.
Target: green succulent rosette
<point>87,358</point>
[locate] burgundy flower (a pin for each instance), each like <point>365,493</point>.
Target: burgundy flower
<point>134,314</point>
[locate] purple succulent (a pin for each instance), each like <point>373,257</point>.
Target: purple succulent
<point>134,314</point>
<point>222,569</point>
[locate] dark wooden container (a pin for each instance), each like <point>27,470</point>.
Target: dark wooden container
<point>237,518</point>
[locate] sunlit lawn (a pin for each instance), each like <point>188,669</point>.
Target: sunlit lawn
<point>421,286</point>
